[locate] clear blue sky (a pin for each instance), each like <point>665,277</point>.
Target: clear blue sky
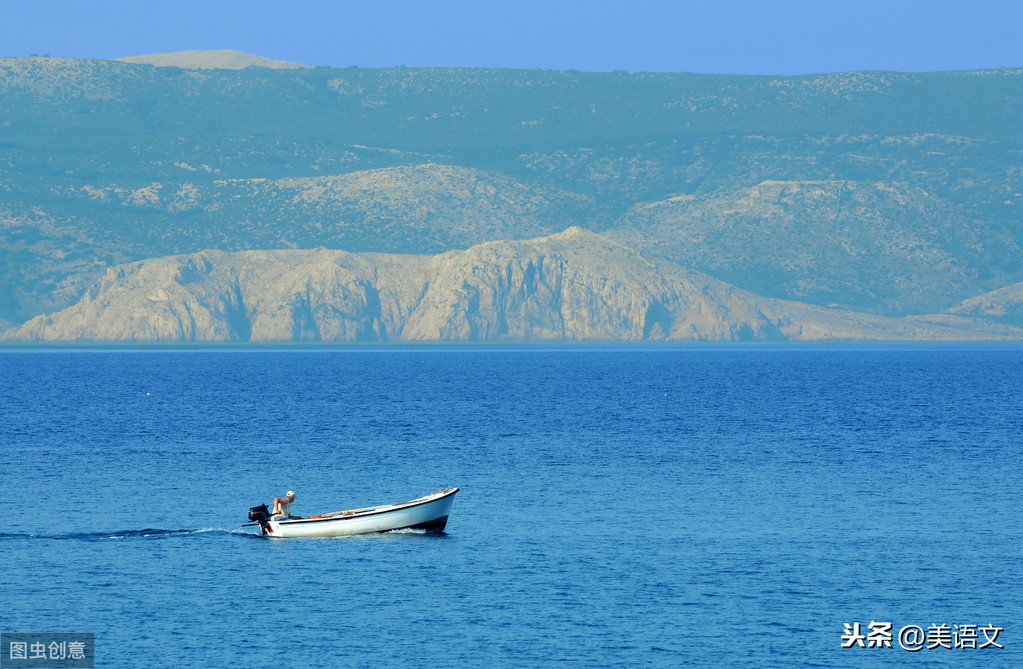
<point>713,36</point>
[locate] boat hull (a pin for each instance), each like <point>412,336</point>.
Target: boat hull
<point>427,513</point>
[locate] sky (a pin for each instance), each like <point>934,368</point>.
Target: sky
<point>775,37</point>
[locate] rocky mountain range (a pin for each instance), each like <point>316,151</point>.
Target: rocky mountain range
<point>572,286</point>
<point>894,196</point>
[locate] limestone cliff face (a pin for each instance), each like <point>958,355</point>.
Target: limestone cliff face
<point>572,286</point>
<point>287,295</point>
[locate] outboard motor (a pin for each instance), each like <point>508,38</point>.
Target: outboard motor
<point>261,515</point>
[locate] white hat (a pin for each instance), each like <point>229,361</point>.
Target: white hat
<point>291,493</point>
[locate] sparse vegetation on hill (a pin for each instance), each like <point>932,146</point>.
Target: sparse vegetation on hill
<point>888,193</point>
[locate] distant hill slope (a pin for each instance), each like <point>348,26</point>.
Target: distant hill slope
<point>572,286</point>
<point>1004,305</point>
<point>209,60</point>
<point>813,241</point>
<point>418,208</point>
<point>51,258</point>
<point>893,193</point>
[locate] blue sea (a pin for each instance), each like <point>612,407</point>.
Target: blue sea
<point>654,506</point>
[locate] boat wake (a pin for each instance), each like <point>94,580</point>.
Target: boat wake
<point>150,534</point>
<point>147,533</point>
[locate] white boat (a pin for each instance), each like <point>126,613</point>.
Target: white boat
<point>426,513</point>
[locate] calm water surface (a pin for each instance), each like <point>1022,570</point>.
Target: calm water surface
<point>619,507</point>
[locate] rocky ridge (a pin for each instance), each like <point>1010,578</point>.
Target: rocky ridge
<point>571,286</point>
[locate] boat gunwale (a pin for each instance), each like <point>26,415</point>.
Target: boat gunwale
<point>400,506</point>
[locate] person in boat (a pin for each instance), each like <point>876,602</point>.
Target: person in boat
<point>282,506</point>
